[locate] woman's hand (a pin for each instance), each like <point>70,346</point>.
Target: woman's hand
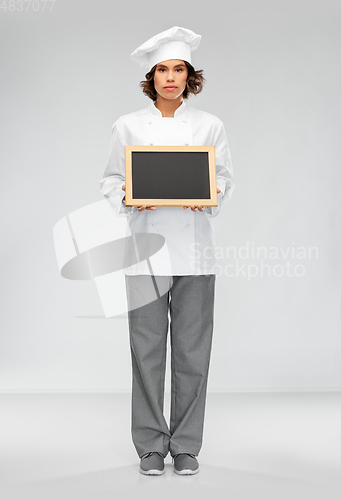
<point>143,207</point>
<point>200,207</point>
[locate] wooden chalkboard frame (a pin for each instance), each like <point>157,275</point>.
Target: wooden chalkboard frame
<point>212,201</point>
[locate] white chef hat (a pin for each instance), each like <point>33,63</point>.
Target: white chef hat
<point>174,43</point>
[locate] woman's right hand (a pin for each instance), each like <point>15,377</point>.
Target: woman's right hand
<point>143,207</point>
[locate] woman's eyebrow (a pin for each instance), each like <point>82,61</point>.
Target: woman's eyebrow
<point>163,66</point>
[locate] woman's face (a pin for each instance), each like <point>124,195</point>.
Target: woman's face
<point>170,78</point>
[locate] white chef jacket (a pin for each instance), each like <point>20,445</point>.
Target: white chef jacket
<point>189,236</point>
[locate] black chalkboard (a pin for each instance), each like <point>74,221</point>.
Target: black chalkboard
<point>171,175</point>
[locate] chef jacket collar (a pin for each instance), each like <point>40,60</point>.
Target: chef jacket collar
<point>179,111</point>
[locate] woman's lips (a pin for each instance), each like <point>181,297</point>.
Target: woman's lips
<point>170,88</point>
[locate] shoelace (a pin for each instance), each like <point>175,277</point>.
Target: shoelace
<point>150,453</point>
<point>190,454</point>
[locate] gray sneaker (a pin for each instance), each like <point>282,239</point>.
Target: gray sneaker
<point>152,463</point>
<point>185,464</point>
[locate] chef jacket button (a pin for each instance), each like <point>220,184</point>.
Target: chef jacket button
<point>150,144</point>
<point>188,225</point>
<point>184,121</point>
<point>153,225</point>
<point>186,143</point>
<point>150,123</point>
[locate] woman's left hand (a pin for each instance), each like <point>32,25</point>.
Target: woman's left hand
<point>200,207</point>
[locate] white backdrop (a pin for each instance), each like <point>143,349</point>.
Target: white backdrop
<point>273,77</point>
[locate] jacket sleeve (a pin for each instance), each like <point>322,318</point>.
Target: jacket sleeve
<point>114,176</point>
<point>224,169</point>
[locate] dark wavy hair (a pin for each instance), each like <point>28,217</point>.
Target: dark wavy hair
<point>195,82</point>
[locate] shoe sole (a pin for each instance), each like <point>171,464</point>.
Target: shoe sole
<point>186,472</point>
<point>152,472</point>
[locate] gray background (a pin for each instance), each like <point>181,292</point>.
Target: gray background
<point>273,77</point>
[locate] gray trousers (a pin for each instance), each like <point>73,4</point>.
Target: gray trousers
<point>189,302</point>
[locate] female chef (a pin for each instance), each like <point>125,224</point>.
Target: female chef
<point>184,277</point>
